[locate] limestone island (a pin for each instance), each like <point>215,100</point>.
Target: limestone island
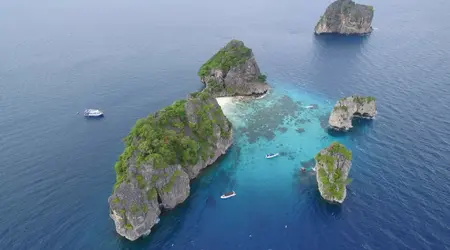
<point>347,18</point>
<point>333,165</point>
<point>349,107</point>
<point>233,71</point>
<point>166,150</point>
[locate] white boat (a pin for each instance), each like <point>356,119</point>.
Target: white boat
<point>228,195</point>
<point>268,156</point>
<point>93,113</point>
<point>314,169</point>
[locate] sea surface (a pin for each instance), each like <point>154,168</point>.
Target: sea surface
<point>131,58</point>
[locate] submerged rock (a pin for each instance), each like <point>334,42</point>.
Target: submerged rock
<point>333,165</point>
<point>163,153</point>
<point>233,71</point>
<point>300,130</point>
<point>346,17</point>
<point>349,107</point>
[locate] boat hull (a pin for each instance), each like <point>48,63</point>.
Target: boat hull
<point>227,196</point>
<point>101,115</point>
<point>271,156</point>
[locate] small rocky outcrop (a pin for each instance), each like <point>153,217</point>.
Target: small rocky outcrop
<point>349,107</point>
<point>163,152</point>
<point>347,18</point>
<point>333,165</point>
<point>233,71</point>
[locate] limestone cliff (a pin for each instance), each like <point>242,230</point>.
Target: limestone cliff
<point>333,165</point>
<point>163,153</point>
<point>349,107</point>
<point>233,71</point>
<point>347,18</point>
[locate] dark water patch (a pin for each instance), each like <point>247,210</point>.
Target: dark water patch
<point>211,201</point>
<point>282,129</point>
<point>336,39</point>
<point>263,124</point>
<point>305,179</point>
<point>290,155</point>
<point>323,119</point>
<point>360,127</point>
<point>301,121</point>
<point>300,130</point>
<point>308,164</point>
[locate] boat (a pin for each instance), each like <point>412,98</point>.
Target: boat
<point>93,113</point>
<point>268,156</point>
<point>314,169</point>
<point>228,195</point>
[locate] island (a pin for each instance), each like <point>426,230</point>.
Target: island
<point>349,107</point>
<point>233,71</point>
<point>347,18</point>
<point>167,149</point>
<point>333,164</point>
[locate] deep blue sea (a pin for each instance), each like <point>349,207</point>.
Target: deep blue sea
<point>131,58</point>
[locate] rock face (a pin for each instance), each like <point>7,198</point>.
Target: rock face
<point>233,71</point>
<point>347,18</point>
<point>333,165</point>
<point>163,153</point>
<point>349,107</point>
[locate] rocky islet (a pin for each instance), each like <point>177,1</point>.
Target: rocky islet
<point>353,106</point>
<point>333,165</point>
<point>345,17</point>
<point>164,151</point>
<point>233,71</point>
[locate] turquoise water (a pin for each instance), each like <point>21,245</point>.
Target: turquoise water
<point>264,187</point>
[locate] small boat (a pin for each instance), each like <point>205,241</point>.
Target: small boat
<point>228,195</point>
<point>268,156</point>
<point>314,169</point>
<point>93,113</point>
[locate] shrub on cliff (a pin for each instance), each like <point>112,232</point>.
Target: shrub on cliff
<point>233,54</point>
<point>167,137</point>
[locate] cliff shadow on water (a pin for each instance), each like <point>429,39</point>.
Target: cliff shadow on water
<point>326,65</point>
<point>360,128</point>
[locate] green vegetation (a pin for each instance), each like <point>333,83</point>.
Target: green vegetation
<point>262,78</point>
<point>337,148</point>
<point>151,194</point>
<point>233,54</point>
<point>145,208</point>
<point>370,8</point>
<point>214,86</point>
<point>128,226</point>
<point>154,179</point>
<point>331,178</point>
<point>168,138</point>
<point>115,200</point>
<point>134,209</point>
<point>342,107</point>
<point>169,185</point>
<point>141,181</point>
<point>362,100</point>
